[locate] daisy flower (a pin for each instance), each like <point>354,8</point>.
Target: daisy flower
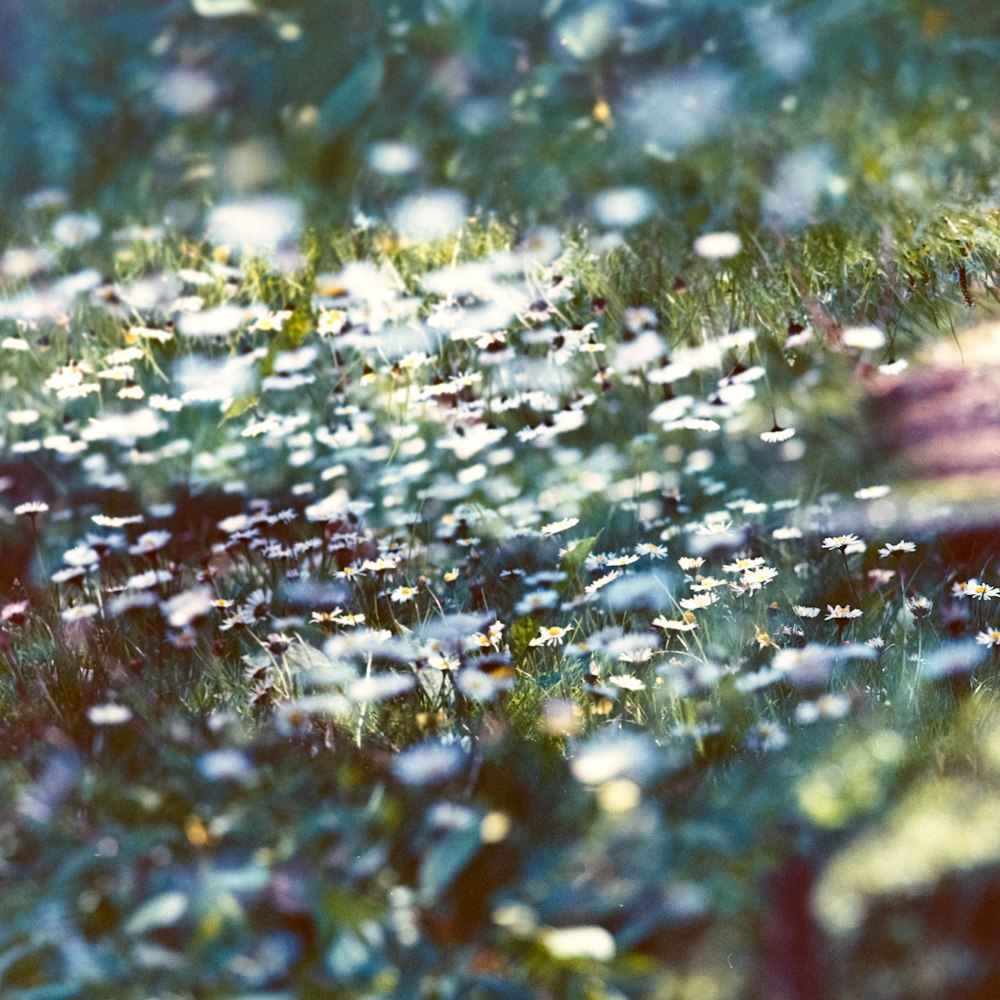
<point>477,685</point>
<point>864,338</point>
<point>754,579</point>
<point>16,612</point>
<point>894,548</point>
<point>491,638</point>
<point>826,706</point>
<point>602,581</point>
<point>981,591</point>
<point>79,612</point>
<point>403,594</point>
<point>149,542</point>
<point>766,737</point>
<point>626,682</point>
<point>871,492</point>
<point>685,624</point>
<point>110,714</point>
<point>841,543</point>
<point>651,549</point>
<point>702,600</point>
<point>989,637</point>
<point>777,434</point>
<point>555,527</point>
<point>717,246</point>
<point>743,565</point>
<point>626,559</point>
<point>842,613</point>
<point>31,508</point>
<point>976,589</point>
<point>643,655</point>
<point>549,635</point>
<point>786,534</point>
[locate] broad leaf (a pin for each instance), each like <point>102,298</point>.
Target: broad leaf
<point>351,97</point>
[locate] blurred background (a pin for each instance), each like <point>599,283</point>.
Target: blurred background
<point>618,113</point>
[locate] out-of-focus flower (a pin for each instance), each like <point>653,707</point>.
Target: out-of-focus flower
<point>718,246</point>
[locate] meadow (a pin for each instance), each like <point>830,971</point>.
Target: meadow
<point>503,591</point>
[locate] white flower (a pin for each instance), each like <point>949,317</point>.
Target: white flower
<point>81,555</point>
<point>872,492</point>
<point>602,581</point>
<point>865,338</point>
<point>767,737</point>
<point>627,682</point>
<point>743,565</point>
<point>477,685</point>
<point>429,215</point>
<point>427,763</point>
<point>718,246</point>
<point>754,579</point>
<point>777,434</point>
<point>842,613</point>
<point>702,600</point>
<point>686,624</point>
<point>381,687</point>
<point>73,229</point>
<point>976,589</point>
<point>621,207</point>
<point>188,605</point>
<point>568,943</point>
<point>549,635</point>
<point>894,367</point>
<point>148,542</point>
<point>110,714</point>
<point>895,547</point>
<point>403,594</point>
<point>555,527</point>
<point>79,612</point>
<point>842,543</point>
<point>786,534</point>
<point>31,508</point>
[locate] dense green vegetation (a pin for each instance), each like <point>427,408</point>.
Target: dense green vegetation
<point>454,539</point>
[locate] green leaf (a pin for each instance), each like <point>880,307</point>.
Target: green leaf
<point>447,859</point>
<point>297,327</point>
<point>240,405</point>
<point>520,634</point>
<point>293,333</point>
<point>573,559</point>
<point>346,909</point>
<point>351,97</point>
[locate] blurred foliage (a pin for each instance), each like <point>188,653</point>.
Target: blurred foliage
<point>723,111</point>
